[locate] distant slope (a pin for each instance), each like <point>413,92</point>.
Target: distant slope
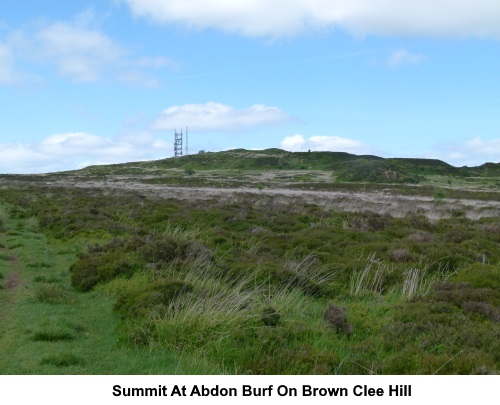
<point>346,166</point>
<point>274,159</point>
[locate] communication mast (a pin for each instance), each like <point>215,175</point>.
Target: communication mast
<point>178,143</point>
<point>187,150</point>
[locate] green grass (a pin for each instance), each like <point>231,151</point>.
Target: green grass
<point>51,329</point>
<point>119,282</point>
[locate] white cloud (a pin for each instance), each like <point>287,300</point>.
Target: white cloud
<point>156,62</point>
<point>74,150</point>
<point>10,74</point>
<point>80,52</point>
<point>6,65</point>
<point>135,77</point>
<point>403,57</point>
<point>73,143</point>
<point>297,143</point>
<point>472,152</point>
<point>276,18</point>
<point>217,117</point>
<point>19,158</point>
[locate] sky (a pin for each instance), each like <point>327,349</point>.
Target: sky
<point>95,82</point>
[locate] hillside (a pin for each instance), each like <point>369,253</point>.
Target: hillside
<point>348,167</point>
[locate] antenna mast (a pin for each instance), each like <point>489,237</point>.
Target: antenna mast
<point>187,150</point>
<point>178,143</point>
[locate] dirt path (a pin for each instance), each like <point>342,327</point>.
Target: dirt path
<point>14,277</point>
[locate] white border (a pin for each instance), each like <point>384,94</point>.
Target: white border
<point>90,390</point>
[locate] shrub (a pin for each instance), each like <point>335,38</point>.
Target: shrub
<point>493,228</point>
<point>270,316</point>
<point>401,255</point>
<point>302,281</point>
<point>459,296</point>
<point>163,249</point>
<point>336,318</point>
<point>480,276</point>
<point>421,237</point>
<point>91,270</point>
<point>197,251</point>
<point>456,236</point>
<point>444,286</point>
<point>139,301</point>
<point>488,310</point>
<point>439,196</point>
<point>421,222</point>
<point>369,223</point>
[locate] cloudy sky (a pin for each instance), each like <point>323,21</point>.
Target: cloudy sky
<point>91,82</point>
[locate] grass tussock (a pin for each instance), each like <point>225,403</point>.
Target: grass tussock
<point>61,360</point>
<point>370,278</point>
<point>51,293</point>
<point>53,334</point>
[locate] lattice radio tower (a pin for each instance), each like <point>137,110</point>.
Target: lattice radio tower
<point>178,144</point>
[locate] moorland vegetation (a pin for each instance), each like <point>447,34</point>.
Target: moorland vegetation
<point>100,278</point>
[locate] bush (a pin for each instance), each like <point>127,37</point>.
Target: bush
<point>91,270</point>
<point>439,196</point>
<point>421,237</point>
<point>163,249</point>
<point>488,310</point>
<point>401,255</point>
<point>303,281</point>
<point>270,317</point>
<point>123,257</point>
<point>336,318</point>
<point>459,296</point>
<point>140,301</point>
<point>456,236</point>
<point>480,276</point>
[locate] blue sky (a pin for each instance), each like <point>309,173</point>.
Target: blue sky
<point>108,81</point>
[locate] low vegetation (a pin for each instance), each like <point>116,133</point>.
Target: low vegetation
<point>254,284</point>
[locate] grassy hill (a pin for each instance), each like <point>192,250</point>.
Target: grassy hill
<point>347,167</point>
